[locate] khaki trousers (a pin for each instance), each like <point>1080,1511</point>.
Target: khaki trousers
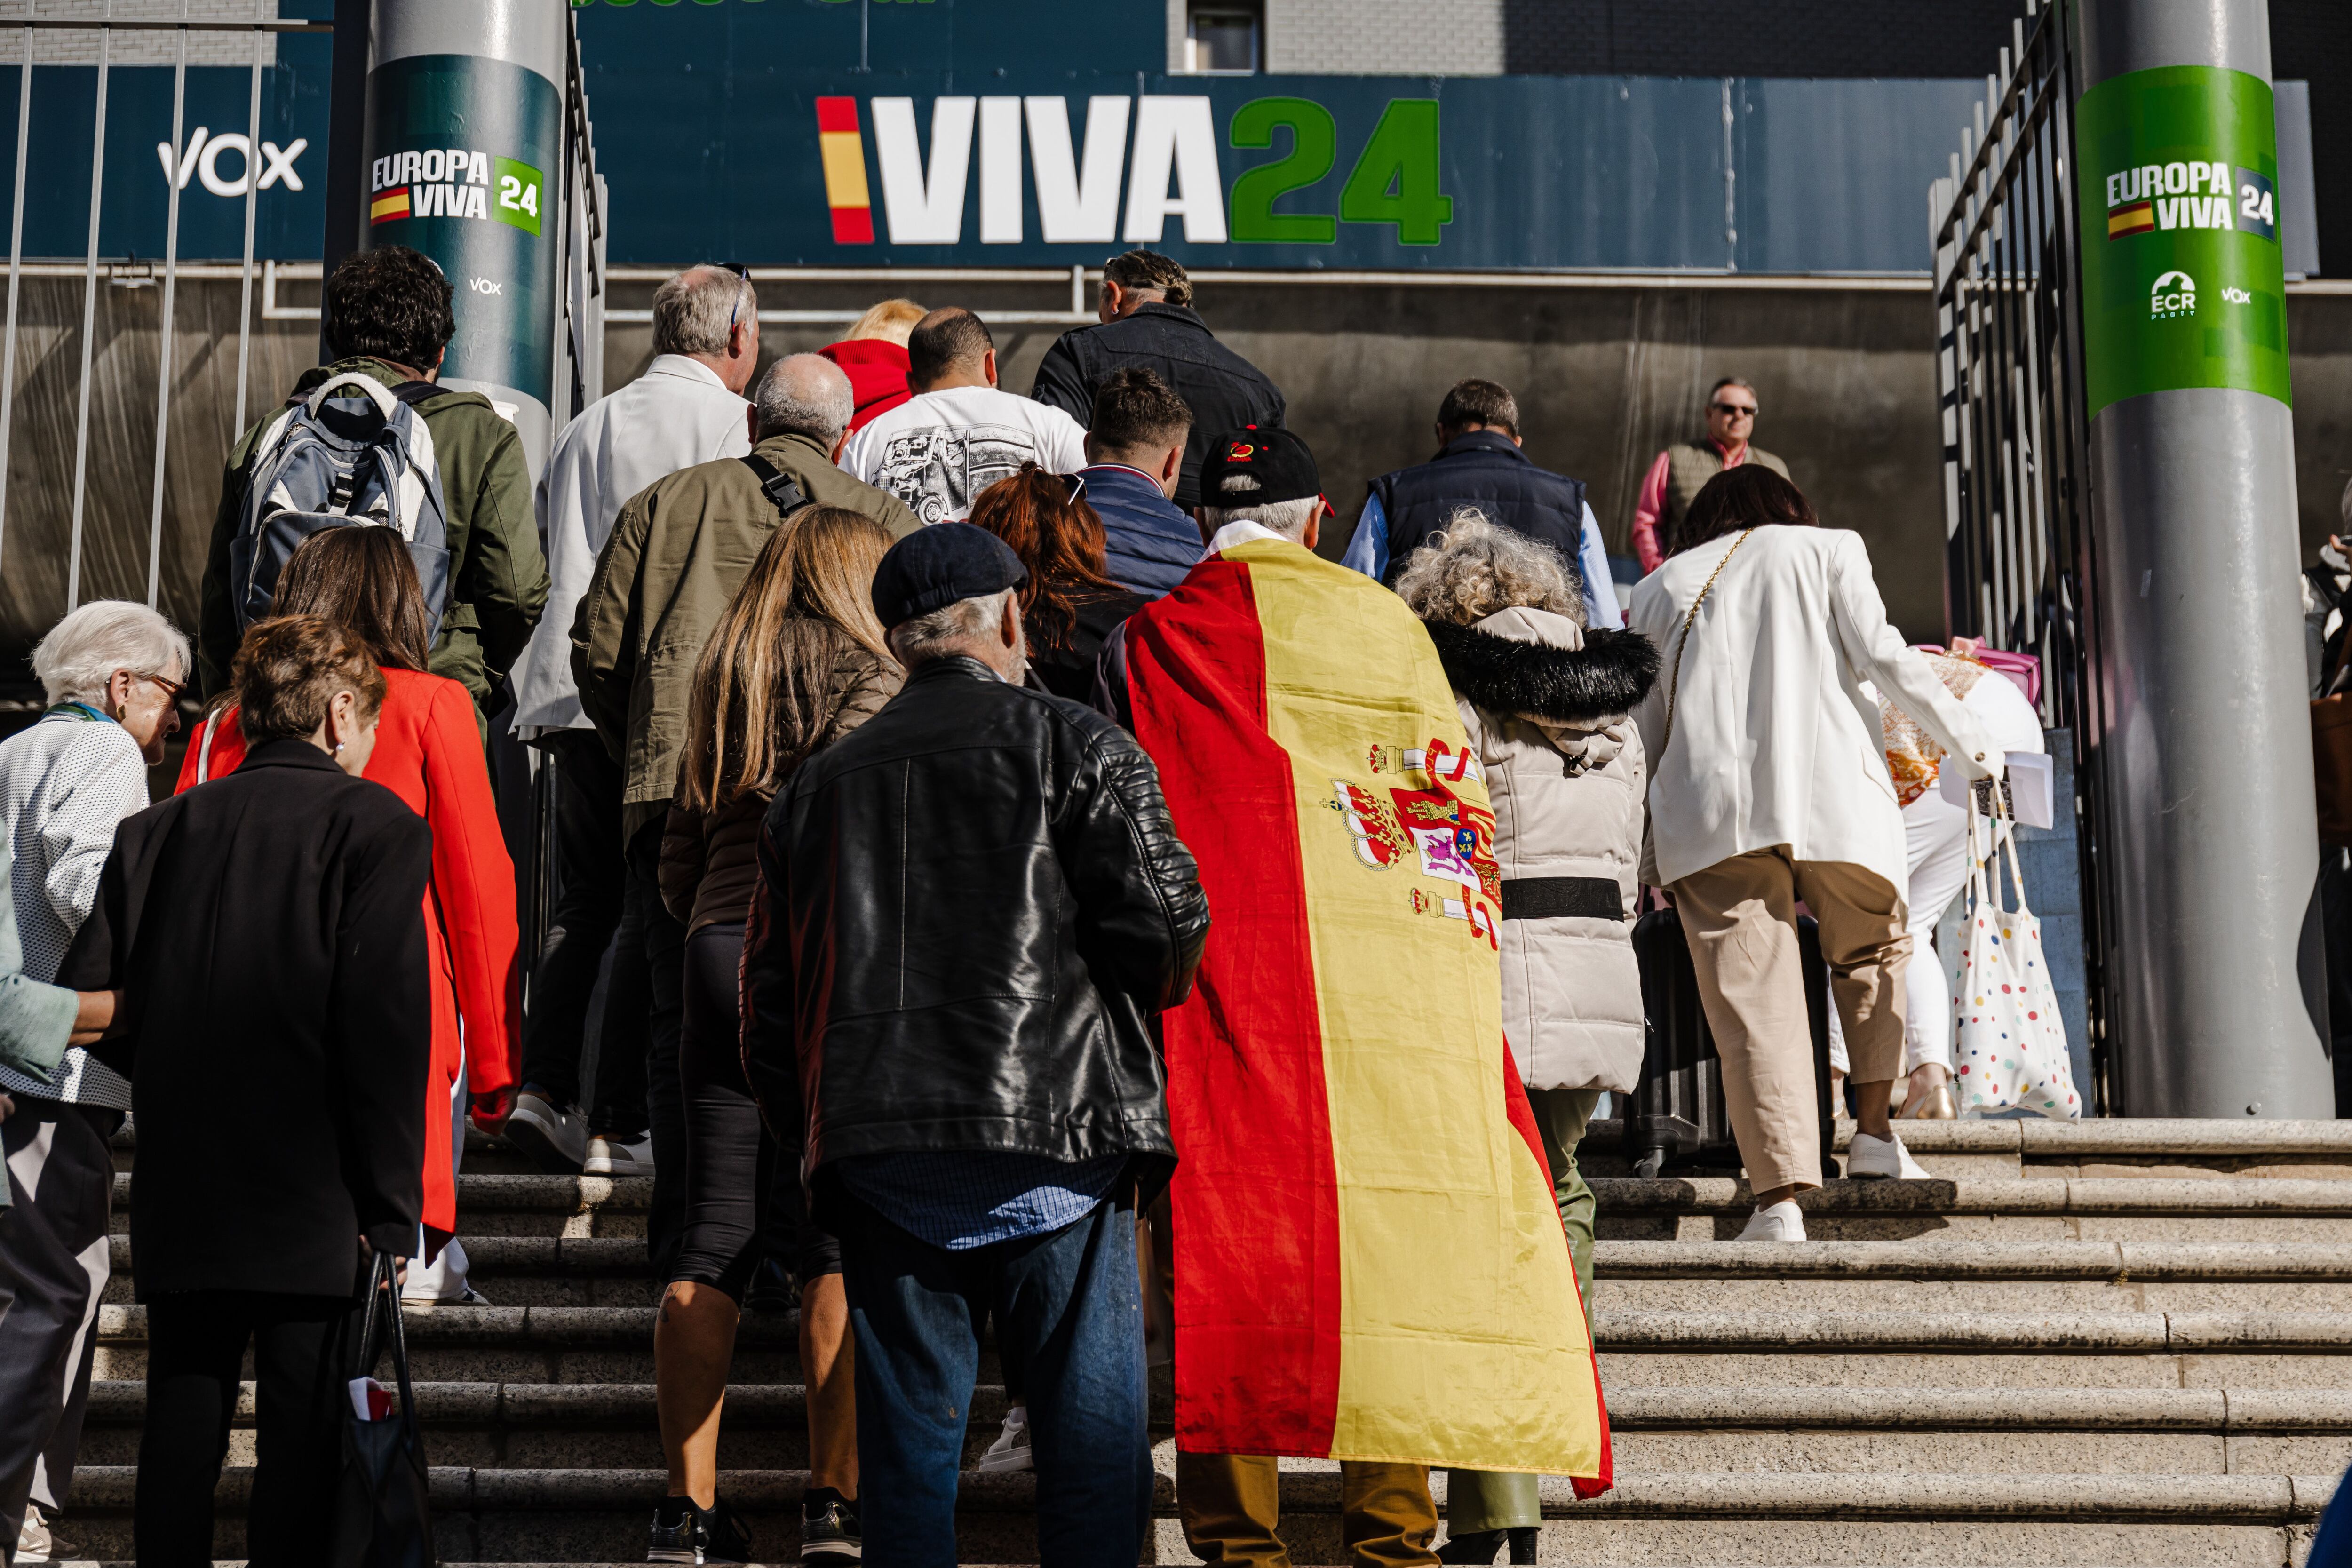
<point>1740,918</point>
<point>1231,1506</point>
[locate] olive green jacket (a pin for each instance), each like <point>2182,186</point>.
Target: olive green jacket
<point>497,575</point>
<point>678,553</point>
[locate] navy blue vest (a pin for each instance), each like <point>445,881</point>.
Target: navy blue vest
<point>1483,469</point>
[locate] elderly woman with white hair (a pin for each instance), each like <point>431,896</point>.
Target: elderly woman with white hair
<point>112,671</point>
<point>1546,703</point>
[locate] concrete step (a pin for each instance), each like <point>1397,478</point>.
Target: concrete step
<point>540,1426</point>
<point>527,1426</point>
<point>2288,1210</point>
<point>600,1515</point>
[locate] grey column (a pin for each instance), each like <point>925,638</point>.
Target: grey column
<point>486,75</point>
<point>2213,855</point>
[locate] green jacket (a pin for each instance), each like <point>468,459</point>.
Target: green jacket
<point>678,553</point>
<point>497,576</point>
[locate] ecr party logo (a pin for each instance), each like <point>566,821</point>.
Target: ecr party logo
<point>2174,296</point>
<point>454,182</point>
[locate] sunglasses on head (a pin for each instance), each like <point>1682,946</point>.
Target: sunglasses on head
<point>742,275</point>
<point>1074,486</point>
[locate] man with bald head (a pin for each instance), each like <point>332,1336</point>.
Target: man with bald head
<point>678,553</point>
<point>959,433</point>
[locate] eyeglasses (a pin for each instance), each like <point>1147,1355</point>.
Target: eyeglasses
<point>171,689</point>
<point>1732,410</point>
<point>743,279</point>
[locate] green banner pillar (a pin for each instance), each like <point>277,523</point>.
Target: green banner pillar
<point>463,162</point>
<point>2212,856</point>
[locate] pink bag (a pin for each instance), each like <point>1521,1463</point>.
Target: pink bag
<point>2023,669</point>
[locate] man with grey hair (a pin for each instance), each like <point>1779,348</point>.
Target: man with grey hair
<point>679,551</point>
<point>686,408</point>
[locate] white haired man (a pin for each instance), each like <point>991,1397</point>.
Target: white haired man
<point>112,671</point>
<point>686,408</point>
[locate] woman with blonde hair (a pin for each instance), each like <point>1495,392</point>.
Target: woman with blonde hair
<point>1545,701</point>
<point>873,354</point>
<point>796,661</point>
<point>269,937</point>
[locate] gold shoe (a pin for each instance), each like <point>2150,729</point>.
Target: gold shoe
<point>1935,1105</point>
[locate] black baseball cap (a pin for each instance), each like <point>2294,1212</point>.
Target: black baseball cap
<point>1278,460</point>
<point>933,567</point>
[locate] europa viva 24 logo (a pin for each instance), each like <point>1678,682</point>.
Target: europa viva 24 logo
<point>2183,280</point>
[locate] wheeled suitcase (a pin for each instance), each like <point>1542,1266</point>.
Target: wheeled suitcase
<point>1676,1113</point>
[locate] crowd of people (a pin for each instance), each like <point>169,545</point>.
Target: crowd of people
<point>1029,874</point>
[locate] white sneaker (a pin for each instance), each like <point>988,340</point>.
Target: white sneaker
<point>1869,1159</point>
<point>36,1544</point>
<point>1010,1450</point>
<point>551,1137</point>
<point>1784,1221</point>
<point>607,1157</point>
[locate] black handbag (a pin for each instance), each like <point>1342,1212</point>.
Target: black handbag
<point>1675,1112</point>
<point>384,1513</point>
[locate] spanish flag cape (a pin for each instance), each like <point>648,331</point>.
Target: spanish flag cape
<point>1368,1261</point>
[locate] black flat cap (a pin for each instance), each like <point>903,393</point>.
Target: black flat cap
<point>933,567</point>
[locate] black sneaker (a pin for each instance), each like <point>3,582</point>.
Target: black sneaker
<point>684,1533</point>
<point>771,1289</point>
<point>829,1528</point>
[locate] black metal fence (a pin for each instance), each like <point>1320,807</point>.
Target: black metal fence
<point>2019,548</point>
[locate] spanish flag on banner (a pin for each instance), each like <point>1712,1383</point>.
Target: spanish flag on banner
<point>1369,1262</point>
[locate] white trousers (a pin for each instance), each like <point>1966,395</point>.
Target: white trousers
<point>1935,833</point>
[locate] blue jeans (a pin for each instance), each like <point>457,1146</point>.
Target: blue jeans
<point>1069,1313</point>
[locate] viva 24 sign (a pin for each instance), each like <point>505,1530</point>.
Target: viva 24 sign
<point>2183,280</point>
<point>1168,167</point>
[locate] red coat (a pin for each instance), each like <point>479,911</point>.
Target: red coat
<point>429,754</point>
<point>876,369</point>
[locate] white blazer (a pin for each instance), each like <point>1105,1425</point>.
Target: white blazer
<point>674,416</point>
<point>1774,741</point>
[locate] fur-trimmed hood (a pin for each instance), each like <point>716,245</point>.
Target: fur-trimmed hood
<point>1604,679</point>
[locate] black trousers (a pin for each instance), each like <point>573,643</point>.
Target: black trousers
<point>590,883</point>
<point>661,937</point>
<point>742,1203</point>
<point>195,1343</point>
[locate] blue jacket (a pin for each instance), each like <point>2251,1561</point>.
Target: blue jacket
<point>1153,542</point>
<point>1488,471</point>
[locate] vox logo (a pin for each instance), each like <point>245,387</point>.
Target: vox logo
<point>201,160</point>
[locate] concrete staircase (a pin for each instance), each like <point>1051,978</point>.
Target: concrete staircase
<point>2113,1344</point>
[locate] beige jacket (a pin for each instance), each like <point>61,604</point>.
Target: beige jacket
<point>1546,703</point>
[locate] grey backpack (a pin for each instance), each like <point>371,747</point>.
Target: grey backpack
<point>353,453</point>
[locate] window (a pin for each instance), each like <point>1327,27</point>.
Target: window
<point>1221,38</point>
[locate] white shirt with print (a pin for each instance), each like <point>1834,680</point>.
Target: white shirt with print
<point>939,450</point>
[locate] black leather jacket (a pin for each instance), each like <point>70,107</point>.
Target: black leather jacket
<point>971,907</point>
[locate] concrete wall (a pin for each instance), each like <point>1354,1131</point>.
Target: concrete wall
<point>1604,376</point>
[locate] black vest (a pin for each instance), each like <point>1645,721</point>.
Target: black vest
<point>1486,470</point>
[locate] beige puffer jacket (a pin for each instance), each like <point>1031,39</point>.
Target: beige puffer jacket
<point>1546,705</point>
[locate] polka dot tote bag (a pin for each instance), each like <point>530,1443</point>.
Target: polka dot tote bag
<point>2009,1045</point>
